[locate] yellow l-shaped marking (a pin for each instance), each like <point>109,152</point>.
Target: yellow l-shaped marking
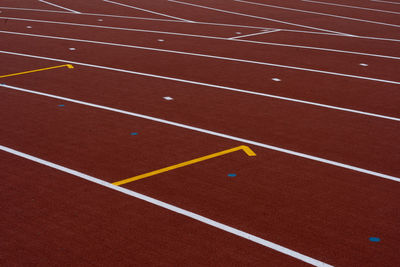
<point>246,149</point>
<point>69,66</point>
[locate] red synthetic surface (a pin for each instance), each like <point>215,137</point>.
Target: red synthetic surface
<point>322,211</point>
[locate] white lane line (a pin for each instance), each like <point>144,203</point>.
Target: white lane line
<point>210,56</point>
<point>208,85</point>
<point>145,10</point>
<point>141,18</point>
<point>318,13</point>
<point>256,17</point>
<point>252,34</point>
<point>347,35</point>
<point>387,2</point>
<point>170,207</point>
<point>51,4</point>
<point>207,23</point>
<point>196,129</point>
<point>206,37</point>
<point>355,7</point>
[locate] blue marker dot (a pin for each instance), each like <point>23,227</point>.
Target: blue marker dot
<point>134,133</point>
<point>232,175</point>
<point>374,239</point>
<point>61,105</point>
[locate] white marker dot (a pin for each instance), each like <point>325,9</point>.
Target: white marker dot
<point>276,79</point>
<point>168,98</point>
<point>29,27</point>
<point>238,33</point>
<point>160,40</point>
<point>363,64</point>
<point>99,20</point>
<point>72,49</point>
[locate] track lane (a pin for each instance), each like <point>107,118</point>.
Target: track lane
<point>363,96</point>
<point>357,4</point>
<point>224,199</point>
<point>311,21</point>
<point>95,6</point>
<point>302,7</point>
<point>91,225</point>
<point>343,145</point>
<point>136,24</point>
<point>202,15</point>
<point>381,68</point>
<point>28,4</point>
<point>208,31</point>
<point>349,224</point>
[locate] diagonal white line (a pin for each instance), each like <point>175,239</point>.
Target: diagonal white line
<point>209,37</point>
<point>387,2</point>
<point>253,34</point>
<point>256,17</point>
<point>215,57</point>
<point>146,10</point>
<point>321,14</point>
<point>207,23</point>
<point>170,207</point>
<point>51,4</point>
<point>196,129</point>
<point>355,7</point>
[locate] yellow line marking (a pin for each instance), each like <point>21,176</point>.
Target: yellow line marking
<point>246,149</point>
<point>69,66</point>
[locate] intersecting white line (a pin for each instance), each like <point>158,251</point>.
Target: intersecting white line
<point>257,17</point>
<point>217,57</point>
<point>321,14</point>
<point>209,23</point>
<point>146,10</point>
<point>253,34</point>
<point>348,6</point>
<point>51,4</point>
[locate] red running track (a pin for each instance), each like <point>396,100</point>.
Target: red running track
<point>325,212</point>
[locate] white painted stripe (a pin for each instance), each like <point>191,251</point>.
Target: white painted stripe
<point>355,7</point>
<point>207,23</point>
<point>322,14</point>
<point>214,57</point>
<point>141,18</point>
<point>253,34</point>
<point>256,17</point>
<point>170,207</point>
<point>375,38</point>
<point>208,37</point>
<point>387,2</point>
<point>145,10</point>
<point>210,85</point>
<point>51,4</point>
<point>196,129</point>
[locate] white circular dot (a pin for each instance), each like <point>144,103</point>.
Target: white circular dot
<point>29,27</point>
<point>276,79</point>
<point>238,33</point>
<point>160,40</point>
<point>168,98</point>
<point>363,64</point>
<point>72,49</point>
<point>99,20</point>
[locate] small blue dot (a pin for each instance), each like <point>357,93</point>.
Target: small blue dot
<point>232,175</point>
<point>61,105</point>
<point>134,133</point>
<point>374,239</point>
